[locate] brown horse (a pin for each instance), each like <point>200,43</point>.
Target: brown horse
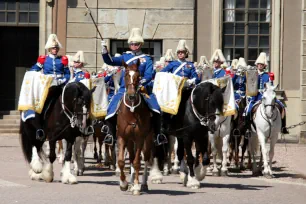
<point>134,130</point>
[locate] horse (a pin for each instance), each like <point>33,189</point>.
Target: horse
<point>134,131</point>
<point>202,107</point>
<point>110,154</point>
<point>66,118</point>
<point>238,136</point>
<point>267,122</point>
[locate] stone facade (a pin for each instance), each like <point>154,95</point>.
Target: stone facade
<point>168,21</point>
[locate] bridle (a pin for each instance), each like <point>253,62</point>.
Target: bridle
<point>133,84</point>
<point>73,115</point>
<point>266,118</point>
<point>204,120</point>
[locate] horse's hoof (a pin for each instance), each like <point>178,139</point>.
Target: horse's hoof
<point>136,192</point>
<point>166,173</point>
<point>156,181</point>
<point>124,187</point>
<point>256,174</point>
<point>175,171</point>
<point>268,175</point>
<point>224,173</point>
<point>215,173</point>
<point>144,188</point>
<point>112,167</point>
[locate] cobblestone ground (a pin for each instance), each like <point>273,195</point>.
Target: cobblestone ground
<point>100,185</point>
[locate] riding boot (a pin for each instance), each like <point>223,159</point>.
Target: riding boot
<point>109,128</point>
<point>159,137</point>
<point>284,130</point>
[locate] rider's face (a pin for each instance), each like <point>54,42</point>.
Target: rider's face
<point>78,64</point>
<point>135,46</point>
<point>54,50</point>
<point>181,54</point>
<point>260,67</point>
<point>217,64</point>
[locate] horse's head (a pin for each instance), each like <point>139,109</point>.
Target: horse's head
<point>132,79</point>
<point>76,100</point>
<point>268,100</point>
<point>208,101</point>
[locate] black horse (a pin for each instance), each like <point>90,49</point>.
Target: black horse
<point>65,118</point>
<point>205,101</point>
<point>238,136</point>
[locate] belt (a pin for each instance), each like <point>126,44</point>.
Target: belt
<point>56,75</point>
<point>111,88</point>
<point>240,92</point>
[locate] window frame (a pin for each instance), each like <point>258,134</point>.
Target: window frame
<point>246,10</point>
<point>17,12</point>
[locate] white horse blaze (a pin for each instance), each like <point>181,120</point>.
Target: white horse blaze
<point>131,73</point>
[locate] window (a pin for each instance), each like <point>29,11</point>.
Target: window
<point>246,29</point>
<point>150,47</point>
<point>21,12</point>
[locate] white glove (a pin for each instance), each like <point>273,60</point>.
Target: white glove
<point>190,82</point>
<point>61,81</point>
<point>104,47</point>
<point>142,81</point>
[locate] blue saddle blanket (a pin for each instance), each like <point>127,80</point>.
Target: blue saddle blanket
<point>25,115</point>
<point>116,100</point>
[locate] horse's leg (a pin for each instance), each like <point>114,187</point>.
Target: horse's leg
<point>175,168</point>
<point>192,182</point>
<point>47,172</point>
<point>95,144</point>
<point>36,164</point>
<point>115,158</point>
<point>201,148</point>
<point>253,141</point>
<point>76,155</point>
<point>121,164</point>
<point>156,176</point>
<point>67,177</point>
<point>212,139</point>
<point>112,150</point>
<point>224,169</point>
<point>100,143</point>
<point>262,141</point>
<point>62,155</point>
<point>136,163</point>
<point>271,153</point>
<point>107,160</point>
<point>169,153</point>
<point>131,151</point>
<point>60,148</point>
<point>243,149</point>
<point>82,156</point>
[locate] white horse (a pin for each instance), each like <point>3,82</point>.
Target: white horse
<point>268,126</point>
<point>220,139</point>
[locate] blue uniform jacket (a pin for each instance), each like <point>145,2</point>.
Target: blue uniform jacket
<point>79,75</point>
<point>218,73</point>
<point>239,83</point>
<point>53,65</point>
<point>187,71</point>
<point>146,72</point>
<point>111,86</point>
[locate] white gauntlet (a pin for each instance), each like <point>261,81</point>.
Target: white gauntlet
<point>104,47</point>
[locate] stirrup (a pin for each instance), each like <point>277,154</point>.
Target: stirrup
<point>89,130</point>
<point>160,141</point>
<point>40,135</point>
<point>109,140</point>
<point>105,129</point>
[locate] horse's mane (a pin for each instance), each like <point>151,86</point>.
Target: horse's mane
<point>208,89</point>
<point>82,90</point>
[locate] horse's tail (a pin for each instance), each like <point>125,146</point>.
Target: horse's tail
<point>26,142</point>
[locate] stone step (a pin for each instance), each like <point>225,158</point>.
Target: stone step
<point>9,134</point>
<point>10,121</point>
<point>12,112</point>
<point>11,117</point>
<point>12,130</point>
<point>9,126</point>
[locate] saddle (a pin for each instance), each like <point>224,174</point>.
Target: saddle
<point>54,93</point>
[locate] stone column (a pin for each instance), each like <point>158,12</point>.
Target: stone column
<point>275,39</point>
<point>216,25</point>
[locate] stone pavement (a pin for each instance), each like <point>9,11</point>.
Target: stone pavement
<point>99,185</point>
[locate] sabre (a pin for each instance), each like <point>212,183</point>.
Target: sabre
<point>88,11</point>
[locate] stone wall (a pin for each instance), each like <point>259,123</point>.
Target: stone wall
<point>169,21</point>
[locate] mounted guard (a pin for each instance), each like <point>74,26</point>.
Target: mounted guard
<point>263,78</point>
<point>204,69</point>
<point>239,79</point>
<point>78,65</point>
<point>56,75</point>
<point>217,59</point>
<point>135,42</point>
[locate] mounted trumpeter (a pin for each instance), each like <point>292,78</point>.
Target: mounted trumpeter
<point>78,65</point>
<point>135,42</point>
<point>264,78</point>
<point>204,69</point>
<point>239,79</point>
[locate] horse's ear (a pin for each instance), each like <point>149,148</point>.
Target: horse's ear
<point>124,64</point>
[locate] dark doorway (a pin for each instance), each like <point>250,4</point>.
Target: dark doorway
<point>19,51</point>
